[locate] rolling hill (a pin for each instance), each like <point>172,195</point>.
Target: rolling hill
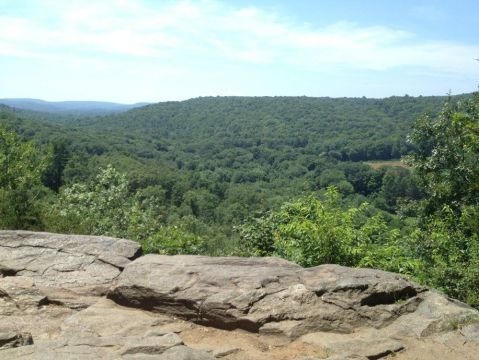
<point>69,107</point>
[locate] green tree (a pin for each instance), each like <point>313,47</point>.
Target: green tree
<point>104,206</point>
<point>21,167</point>
<point>447,161</point>
<point>446,156</point>
<point>398,184</point>
<point>53,176</point>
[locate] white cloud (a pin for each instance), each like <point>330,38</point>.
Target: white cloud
<point>211,30</point>
<point>136,50</point>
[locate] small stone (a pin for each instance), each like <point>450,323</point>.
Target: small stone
<point>225,351</point>
<point>151,345</point>
<point>185,353</point>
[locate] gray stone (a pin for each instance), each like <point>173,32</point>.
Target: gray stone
<point>225,351</point>
<point>267,295</point>
<point>63,267</point>
<point>52,287</point>
<point>436,313</point>
<point>105,330</point>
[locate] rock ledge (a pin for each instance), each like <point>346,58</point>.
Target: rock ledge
<point>87,297</point>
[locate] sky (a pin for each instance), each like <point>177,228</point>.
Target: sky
<point>151,50</point>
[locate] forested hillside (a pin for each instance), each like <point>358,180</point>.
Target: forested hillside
<point>222,159</point>
<point>357,129</point>
<point>282,176</point>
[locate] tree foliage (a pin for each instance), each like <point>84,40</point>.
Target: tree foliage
<point>446,156</point>
<point>103,206</point>
<point>447,160</point>
<point>21,167</point>
<point>312,231</point>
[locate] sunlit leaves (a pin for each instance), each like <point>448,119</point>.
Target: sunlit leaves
<point>312,231</point>
<point>447,160</point>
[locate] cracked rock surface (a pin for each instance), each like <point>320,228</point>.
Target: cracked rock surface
<point>87,297</point>
<point>66,261</point>
<point>265,295</point>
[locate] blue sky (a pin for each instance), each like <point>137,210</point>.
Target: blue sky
<point>131,50</point>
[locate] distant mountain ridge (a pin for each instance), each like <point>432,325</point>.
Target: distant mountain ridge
<point>70,107</point>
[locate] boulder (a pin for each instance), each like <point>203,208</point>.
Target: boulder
<point>45,278</point>
<point>62,267</point>
<point>266,295</point>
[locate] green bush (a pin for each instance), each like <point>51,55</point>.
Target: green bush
<point>174,240</point>
<point>312,231</point>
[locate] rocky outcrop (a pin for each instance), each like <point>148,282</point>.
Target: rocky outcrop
<point>65,261</point>
<point>62,269</point>
<point>85,297</point>
<point>265,295</point>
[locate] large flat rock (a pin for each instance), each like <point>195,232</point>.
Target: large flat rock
<point>68,271</point>
<point>81,263</point>
<point>266,295</point>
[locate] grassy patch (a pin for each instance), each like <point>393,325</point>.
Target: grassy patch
<point>386,163</point>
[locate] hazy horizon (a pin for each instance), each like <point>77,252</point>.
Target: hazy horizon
<point>224,96</point>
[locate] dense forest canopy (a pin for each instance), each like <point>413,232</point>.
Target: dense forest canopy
<point>281,176</point>
<point>359,129</point>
